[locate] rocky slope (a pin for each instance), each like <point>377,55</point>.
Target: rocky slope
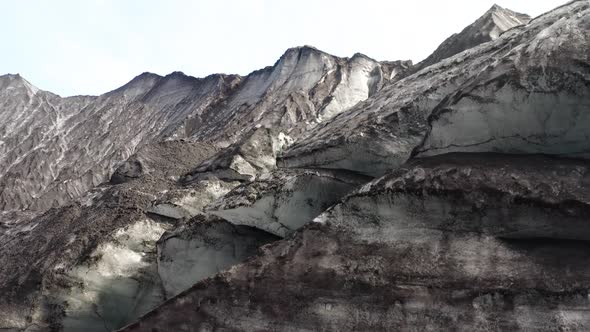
<point>306,86</point>
<point>321,193</point>
<point>489,27</point>
<point>526,91</point>
<point>285,200</point>
<point>483,242</point>
<point>102,258</point>
<point>445,241</point>
<point>127,246</point>
<point>54,149</point>
<point>92,264</point>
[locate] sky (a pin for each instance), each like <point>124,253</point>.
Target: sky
<point>74,47</point>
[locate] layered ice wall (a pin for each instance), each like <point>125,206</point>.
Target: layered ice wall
<point>202,248</point>
<point>539,73</point>
<point>538,104</point>
<point>462,241</point>
<point>285,200</point>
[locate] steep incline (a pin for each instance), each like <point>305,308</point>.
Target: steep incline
<point>444,241</point>
<point>93,262</point>
<point>103,255</point>
<point>455,242</point>
<point>54,149</point>
<point>489,27</point>
<point>379,224</point>
<point>526,91</point>
<point>305,87</point>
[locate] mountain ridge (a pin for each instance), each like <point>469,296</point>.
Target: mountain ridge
<point>488,27</point>
<point>178,106</point>
<point>279,199</point>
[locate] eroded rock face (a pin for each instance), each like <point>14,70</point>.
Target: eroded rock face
<point>285,200</point>
<point>243,161</point>
<point>460,241</point>
<point>457,242</point>
<point>55,149</point>
<point>505,196</point>
<point>304,87</point>
<point>539,104</point>
<point>88,264</point>
<point>92,264</point>
<point>489,27</point>
<point>274,107</point>
<point>202,248</point>
<point>117,284</point>
<point>526,91</point>
<point>165,159</point>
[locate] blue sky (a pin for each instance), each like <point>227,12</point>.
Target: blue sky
<point>74,47</point>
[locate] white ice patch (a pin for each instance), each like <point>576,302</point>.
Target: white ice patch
<point>296,201</point>
<point>284,141</point>
<point>355,87</point>
<point>118,283</point>
<point>187,203</point>
<point>515,122</point>
<point>242,166</point>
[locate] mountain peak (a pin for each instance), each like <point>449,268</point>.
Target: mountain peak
<point>359,55</point>
<point>176,74</point>
<point>10,77</point>
<point>301,49</point>
<point>16,81</point>
<point>488,27</point>
<point>496,7</point>
<point>499,19</point>
<point>305,47</point>
<point>145,76</point>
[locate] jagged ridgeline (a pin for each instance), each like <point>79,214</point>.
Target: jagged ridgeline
<point>318,194</point>
<point>54,149</point>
